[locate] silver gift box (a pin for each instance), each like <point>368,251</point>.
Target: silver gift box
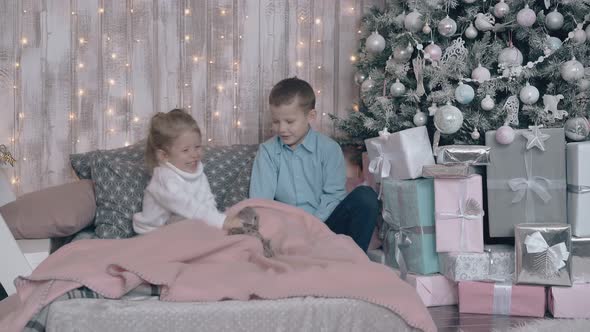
<point>543,254</point>
<point>459,171</point>
<point>581,259</point>
<point>496,263</point>
<point>463,154</point>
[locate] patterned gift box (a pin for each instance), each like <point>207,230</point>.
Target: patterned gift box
<point>569,302</point>
<point>501,299</point>
<point>400,155</point>
<point>408,228</point>
<point>475,155</point>
<point>459,214</point>
<point>578,187</point>
<point>526,181</point>
<point>581,259</point>
<point>543,254</point>
<point>448,171</point>
<point>496,263</point>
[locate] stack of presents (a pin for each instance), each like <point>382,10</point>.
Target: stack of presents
<point>534,190</point>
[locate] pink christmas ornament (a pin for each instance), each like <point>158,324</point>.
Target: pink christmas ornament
<point>480,74</point>
<point>434,51</point>
<point>505,135</point>
<point>526,17</point>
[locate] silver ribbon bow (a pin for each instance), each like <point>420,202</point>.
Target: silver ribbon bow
<point>578,189</point>
<point>502,298</point>
<point>402,239</point>
<point>469,209</point>
<point>532,183</point>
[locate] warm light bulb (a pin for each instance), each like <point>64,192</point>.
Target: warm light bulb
<point>223,12</point>
<point>21,115</point>
<point>195,58</point>
<point>126,143</point>
<point>72,116</point>
<point>126,65</point>
<point>359,32</point>
<point>110,111</point>
<point>73,13</point>
<point>185,84</point>
<point>14,180</point>
<point>112,130</point>
<point>112,81</point>
<point>136,119</point>
<point>81,92</point>
<point>101,10</point>
<point>318,21</point>
<point>24,41</point>
<point>319,41</point>
<point>80,65</point>
<point>187,37</point>
<point>319,67</point>
<point>211,61</point>
<point>300,43</point>
<point>17,65</point>
<point>299,64</point>
<point>222,37</point>
<point>319,91</point>
<point>324,114</point>
<point>220,88</point>
<point>240,37</point>
<point>189,106</point>
<point>239,123</point>
<point>209,140</point>
<point>216,114</point>
<point>114,55</point>
<point>131,10</point>
<point>187,11</point>
<point>82,40</point>
<point>301,18</point>
<point>129,94</point>
<point>352,58</point>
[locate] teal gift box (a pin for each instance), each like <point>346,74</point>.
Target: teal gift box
<point>408,228</point>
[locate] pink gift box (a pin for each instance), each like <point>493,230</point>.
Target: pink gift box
<point>501,299</point>
<point>569,302</point>
<point>434,290</point>
<point>458,206</point>
<point>369,177</point>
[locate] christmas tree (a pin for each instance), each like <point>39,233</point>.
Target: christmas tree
<point>469,66</point>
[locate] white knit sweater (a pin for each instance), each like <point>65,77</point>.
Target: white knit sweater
<point>174,195</point>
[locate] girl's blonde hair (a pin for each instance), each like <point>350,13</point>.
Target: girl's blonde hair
<point>164,129</point>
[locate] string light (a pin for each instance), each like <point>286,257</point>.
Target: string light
<point>136,119</point>
<point>238,123</point>
<point>24,41</point>
<point>318,21</point>
<point>73,13</point>
<point>211,61</point>
<point>72,116</point>
<point>81,92</point>
<point>222,37</point>
<point>128,94</point>
<point>21,115</point>
<point>209,140</point>
<point>240,37</point>
<point>114,55</point>
<point>126,65</point>
<point>131,10</point>
<point>352,58</point>
<point>82,40</point>
<point>319,67</point>
<point>195,58</point>
<point>216,114</point>
<point>220,88</point>
<point>14,180</point>
<point>80,65</point>
<point>235,107</point>
<point>189,106</point>
<point>101,10</point>
<point>111,81</point>
<point>187,37</point>
<point>299,64</point>
<point>17,65</point>
<point>110,111</point>
<point>319,41</point>
<point>302,18</point>
<point>187,11</point>
<point>223,12</point>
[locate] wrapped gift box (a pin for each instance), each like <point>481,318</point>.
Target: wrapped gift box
<point>501,299</point>
<point>400,155</point>
<point>496,263</point>
<point>448,171</point>
<point>581,259</point>
<point>459,214</point>
<point>408,227</point>
<point>543,254</point>
<point>569,302</point>
<point>526,185</point>
<point>475,155</point>
<point>434,290</point>
<point>578,187</point>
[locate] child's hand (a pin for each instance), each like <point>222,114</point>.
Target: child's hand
<point>232,222</point>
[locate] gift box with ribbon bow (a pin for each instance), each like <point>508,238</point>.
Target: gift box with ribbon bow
<point>459,214</point>
<point>501,298</point>
<point>543,254</point>
<point>400,155</point>
<point>578,187</point>
<point>496,263</point>
<point>526,181</point>
<point>408,227</point>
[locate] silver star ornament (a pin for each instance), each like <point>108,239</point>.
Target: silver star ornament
<point>535,138</point>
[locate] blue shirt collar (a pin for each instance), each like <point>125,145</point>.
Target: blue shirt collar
<point>309,141</point>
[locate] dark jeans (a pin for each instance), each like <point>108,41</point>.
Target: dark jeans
<point>356,216</point>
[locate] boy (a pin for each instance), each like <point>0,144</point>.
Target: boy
<point>305,168</point>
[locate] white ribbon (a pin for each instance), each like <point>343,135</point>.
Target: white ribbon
<point>502,299</point>
<point>532,183</point>
<point>558,254</point>
<point>469,209</point>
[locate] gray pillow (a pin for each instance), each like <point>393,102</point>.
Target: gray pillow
<point>82,162</point>
<point>118,186</point>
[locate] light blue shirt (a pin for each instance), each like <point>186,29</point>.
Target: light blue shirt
<point>311,177</point>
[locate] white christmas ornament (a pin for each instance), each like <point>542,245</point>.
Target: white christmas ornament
<point>487,104</point>
<point>526,17</point>
<point>397,89</point>
<point>554,20</point>
<point>571,70</point>
<point>420,119</point>
<point>375,43</point>
<point>584,84</point>
<point>550,102</point>
<point>481,74</point>
<point>553,43</point>
<point>484,22</point>
<point>367,84</point>
<point>475,134</point>
<point>577,129</point>
<point>447,27</point>
<point>529,94</point>
<point>579,35</point>
<point>359,77</point>
<point>448,119</point>
<point>403,54</point>
<point>434,52</point>
<point>501,9</point>
<point>464,93</point>
<point>510,56</point>
<point>413,22</point>
<point>471,32</point>
<point>505,135</point>
<point>432,109</point>
<point>426,29</point>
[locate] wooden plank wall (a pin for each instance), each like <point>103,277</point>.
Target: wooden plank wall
<point>79,75</point>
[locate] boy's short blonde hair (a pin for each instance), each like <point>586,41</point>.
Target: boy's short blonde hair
<point>289,89</point>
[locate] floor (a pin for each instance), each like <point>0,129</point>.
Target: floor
<point>448,319</point>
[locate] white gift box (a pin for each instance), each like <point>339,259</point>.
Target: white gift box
<point>578,187</point>
<point>400,155</point>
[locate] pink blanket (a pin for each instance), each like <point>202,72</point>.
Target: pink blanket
<point>194,262</point>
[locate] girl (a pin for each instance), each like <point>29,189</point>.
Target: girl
<point>178,189</point>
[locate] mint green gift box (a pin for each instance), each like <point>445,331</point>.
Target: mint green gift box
<point>408,215</point>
